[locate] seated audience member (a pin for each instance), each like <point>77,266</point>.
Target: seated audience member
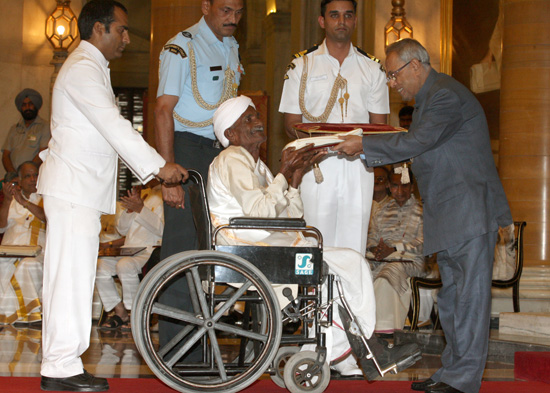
<point>395,233</point>
<point>380,196</point>
<point>109,236</point>
<point>23,223</point>
<point>406,116</point>
<point>142,222</point>
<point>240,184</point>
<point>29,136</point>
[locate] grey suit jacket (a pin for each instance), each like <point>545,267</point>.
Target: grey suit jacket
<point>449,144</point>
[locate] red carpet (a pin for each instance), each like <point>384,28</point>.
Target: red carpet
<point>121,385</point>
<point>532,366</point>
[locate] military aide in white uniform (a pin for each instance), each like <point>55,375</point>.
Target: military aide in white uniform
<point>78,183</point>
<point>340,205</point>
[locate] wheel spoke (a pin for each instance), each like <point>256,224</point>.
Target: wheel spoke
<point>217,354</point>
<point>183,350</point>
<point>200,293</point>
<point>192,292</point>
<point>176,313</point>
<point>232,300</point>
<point>224,327</point>
<point>176,339</point>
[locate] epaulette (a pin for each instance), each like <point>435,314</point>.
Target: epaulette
<point>373,58</point>
<point>187,34</point>
<point>291,65</point>
<point>175,49</point>
<point>305,52</point>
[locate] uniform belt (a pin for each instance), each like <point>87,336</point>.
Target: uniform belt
<point>200,139</point>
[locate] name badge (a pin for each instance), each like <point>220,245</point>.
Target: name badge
<point>32,138</point>
<point>303,265</point>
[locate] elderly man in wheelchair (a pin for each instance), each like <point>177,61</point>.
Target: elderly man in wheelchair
<point>242,194</point>
<point>240,184</point>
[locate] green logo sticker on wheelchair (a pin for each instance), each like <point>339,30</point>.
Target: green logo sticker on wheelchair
<point>304,265</point>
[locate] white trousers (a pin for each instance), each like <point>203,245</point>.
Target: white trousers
<point>391,309</point>
<point>72,243</point>
<point>20,289</point>
<point>127,270</point>
<point>340,206</point>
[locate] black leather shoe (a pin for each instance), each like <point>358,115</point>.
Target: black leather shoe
<point>442,387</point>
<point>423,385</point>
<point>84,382</point>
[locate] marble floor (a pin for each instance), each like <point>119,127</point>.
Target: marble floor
<point>114,355</point>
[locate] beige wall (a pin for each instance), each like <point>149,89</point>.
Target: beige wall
<point>25,53</point>
<point>24,56</point>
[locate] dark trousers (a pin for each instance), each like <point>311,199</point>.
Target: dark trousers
<point>191,152</point>
<point>464,304</point>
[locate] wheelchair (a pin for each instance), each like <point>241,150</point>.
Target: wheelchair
<point>221,278</point>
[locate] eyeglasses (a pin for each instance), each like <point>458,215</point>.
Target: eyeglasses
<point>392,76</point>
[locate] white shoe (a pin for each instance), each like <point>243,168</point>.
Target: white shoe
<point>347,367</point>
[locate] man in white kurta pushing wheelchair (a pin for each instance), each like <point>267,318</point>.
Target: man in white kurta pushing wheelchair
<point>258,217</point>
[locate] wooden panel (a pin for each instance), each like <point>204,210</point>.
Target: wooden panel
<point>513,120</point>
<point>525,189</point>
<point>527,167</point>
<point>525,56</point>
<point>523,99</point>
<point>168,17</point>
<point>525,126</point>
<point>522,144</point>
<point>531,77</point>
<point>531,211</point>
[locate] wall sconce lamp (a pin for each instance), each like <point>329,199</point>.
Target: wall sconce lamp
<point>61,26</point>
<point>397,27</point>
<point>61,31</point>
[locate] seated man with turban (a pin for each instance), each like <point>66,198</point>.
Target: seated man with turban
<point>241,185</point>
<point>29,136</point>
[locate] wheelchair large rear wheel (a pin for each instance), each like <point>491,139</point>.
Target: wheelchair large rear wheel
<point>234,354</point>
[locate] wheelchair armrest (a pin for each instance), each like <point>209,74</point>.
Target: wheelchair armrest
<point>246,222</point>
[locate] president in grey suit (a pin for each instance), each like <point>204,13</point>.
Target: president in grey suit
<point>464,203</point>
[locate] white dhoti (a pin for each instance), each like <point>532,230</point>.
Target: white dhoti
<point>20,289</point>
<point>72,243</point>
<point>355,275</point>
<point>127,269</point>
<point>340,206</point>
<point>392,309</point>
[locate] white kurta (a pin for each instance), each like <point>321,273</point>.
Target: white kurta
<point>141,229</point>
<point>239,187</point>
<point>78,183</point>
<point>340,206</point>
<point>21,279</point>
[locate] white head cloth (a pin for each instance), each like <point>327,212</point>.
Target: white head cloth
<point>227,114</point>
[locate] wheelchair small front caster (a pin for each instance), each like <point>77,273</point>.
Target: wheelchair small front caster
<point>301,374</point>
